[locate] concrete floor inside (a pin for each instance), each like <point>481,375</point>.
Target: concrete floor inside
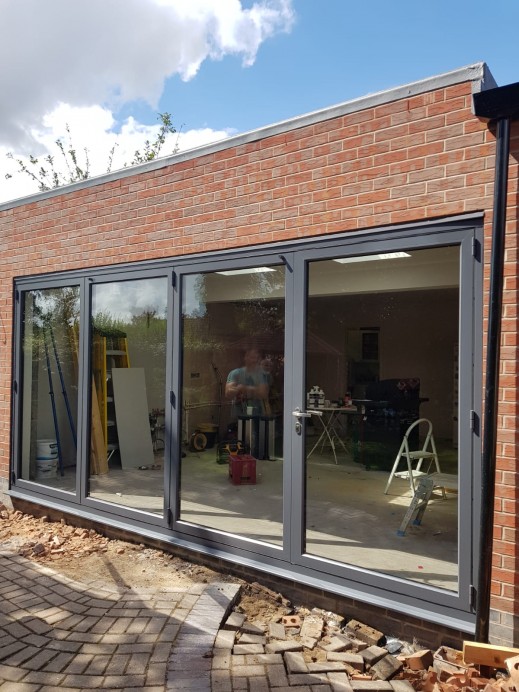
<point>349,519</point>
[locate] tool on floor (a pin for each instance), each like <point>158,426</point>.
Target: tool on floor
<point>422,495</point>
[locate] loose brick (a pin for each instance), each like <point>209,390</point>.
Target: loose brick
<point>338,644</point>
<point>373,654</point>
<point>295,662</point>
<point>277,647</point>
<point>364,632</point>
<point>386,668</point>
<point>242,649</point>
<point>420,660</point>
<point>354,661</point>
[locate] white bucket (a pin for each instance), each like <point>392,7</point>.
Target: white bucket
<point>46,469</point>
<point>46,450</point>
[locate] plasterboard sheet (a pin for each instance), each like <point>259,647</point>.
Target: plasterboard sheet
<point>132,418</point>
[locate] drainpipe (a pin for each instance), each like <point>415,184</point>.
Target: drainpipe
<point>492,380</point>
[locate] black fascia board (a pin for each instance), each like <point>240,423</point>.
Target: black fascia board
<point>498,103</point>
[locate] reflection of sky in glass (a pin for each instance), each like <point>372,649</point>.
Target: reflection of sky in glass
<point>193,295</point>
<point>49,304</point>
<point>125,299</point>
<point>200,289</point>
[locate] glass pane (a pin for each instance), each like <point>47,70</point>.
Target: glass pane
<point>381,353</point>
<point>233,328</point>
<point>50,386</point>
<point>128,386</point>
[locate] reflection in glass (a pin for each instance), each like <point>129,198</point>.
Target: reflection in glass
<point>382,345</point>
<point>233,328</point>
<point>50,386</point>
<point>128,355</point>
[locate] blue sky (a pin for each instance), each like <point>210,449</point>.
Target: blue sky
<point>338,50</point>
<point>220,67</point>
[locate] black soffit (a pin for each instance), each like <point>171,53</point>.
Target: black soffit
<point>501,102</point>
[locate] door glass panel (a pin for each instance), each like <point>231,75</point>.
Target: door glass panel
<point>233,329</point>
<point>50,386</point>
<point>128,385</point>
<point>382,353</point>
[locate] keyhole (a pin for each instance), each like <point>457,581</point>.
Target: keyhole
<point>298,427</point>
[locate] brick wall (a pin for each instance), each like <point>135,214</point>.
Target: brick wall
<point>505,583</point>
<point>421,157</point>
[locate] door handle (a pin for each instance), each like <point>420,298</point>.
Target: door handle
<point>306,414</point>
<point>298,415</point>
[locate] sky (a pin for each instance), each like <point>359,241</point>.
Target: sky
<point>105,69</point>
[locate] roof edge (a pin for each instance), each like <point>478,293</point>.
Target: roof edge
<point>477,73</point>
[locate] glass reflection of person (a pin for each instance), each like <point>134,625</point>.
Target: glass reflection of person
<point>248,386</point>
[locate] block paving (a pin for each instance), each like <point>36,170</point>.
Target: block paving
<point>61,634</point>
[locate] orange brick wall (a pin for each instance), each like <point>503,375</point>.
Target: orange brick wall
<point>422,157</point>
<point>505,584</point>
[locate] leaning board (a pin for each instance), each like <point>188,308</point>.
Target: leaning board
<point>132,417</point>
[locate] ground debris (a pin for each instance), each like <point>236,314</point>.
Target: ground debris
<point>306,637</point>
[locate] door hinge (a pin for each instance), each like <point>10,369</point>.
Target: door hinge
<point>174,279</point>
<point>169,514</point>
<point>173,399</point>
<point>474,422</point>
<point>476,249</point>
<point>286,263</point>
<point>472,596</point>
<point>17,295</point>
<point>15,387</point>
<point>13,477</point>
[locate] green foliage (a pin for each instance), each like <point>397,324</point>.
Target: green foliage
<point>152,150</point>
<point>45,173</point>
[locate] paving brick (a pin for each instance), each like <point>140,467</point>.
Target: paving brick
<point>252,639</point>
<point>282,646</point>
<point>386,668</point>
<point>225,639</point>
<point>277,675</point>
<point>221,681</point>
<point>353,660</point>
<point>252,628</point>
<point>295,662</point>
<point>262,659</point>
<point>277,630</point>
<point>307,679</point>
<point>11,673</point>
<point>338,644</point>
<point>248,670</point>
<point>221,660</point>
<point>403,685</point>
<point>234,621</point>
<point>340,682</point>
<point>373,654</point>
<point>326,667</point>
<point>242,649</point>
<point>370,686</point>
<point>312,627</point>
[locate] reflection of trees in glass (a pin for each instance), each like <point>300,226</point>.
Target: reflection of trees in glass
<point>58,305</point>
<point>259,312</point>
<point>146,335</point>
<point>46,309</point>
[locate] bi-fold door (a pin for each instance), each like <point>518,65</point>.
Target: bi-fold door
<point>256,403</point>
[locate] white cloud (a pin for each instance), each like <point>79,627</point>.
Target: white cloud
<point>91,129</point>
<point>75,62</point>
<point>112,52</point>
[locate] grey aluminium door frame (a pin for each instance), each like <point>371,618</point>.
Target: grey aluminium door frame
<point>468,238</point>
<point>259,257</point>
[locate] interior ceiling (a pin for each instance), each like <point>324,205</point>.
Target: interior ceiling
<point>423,269</point>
